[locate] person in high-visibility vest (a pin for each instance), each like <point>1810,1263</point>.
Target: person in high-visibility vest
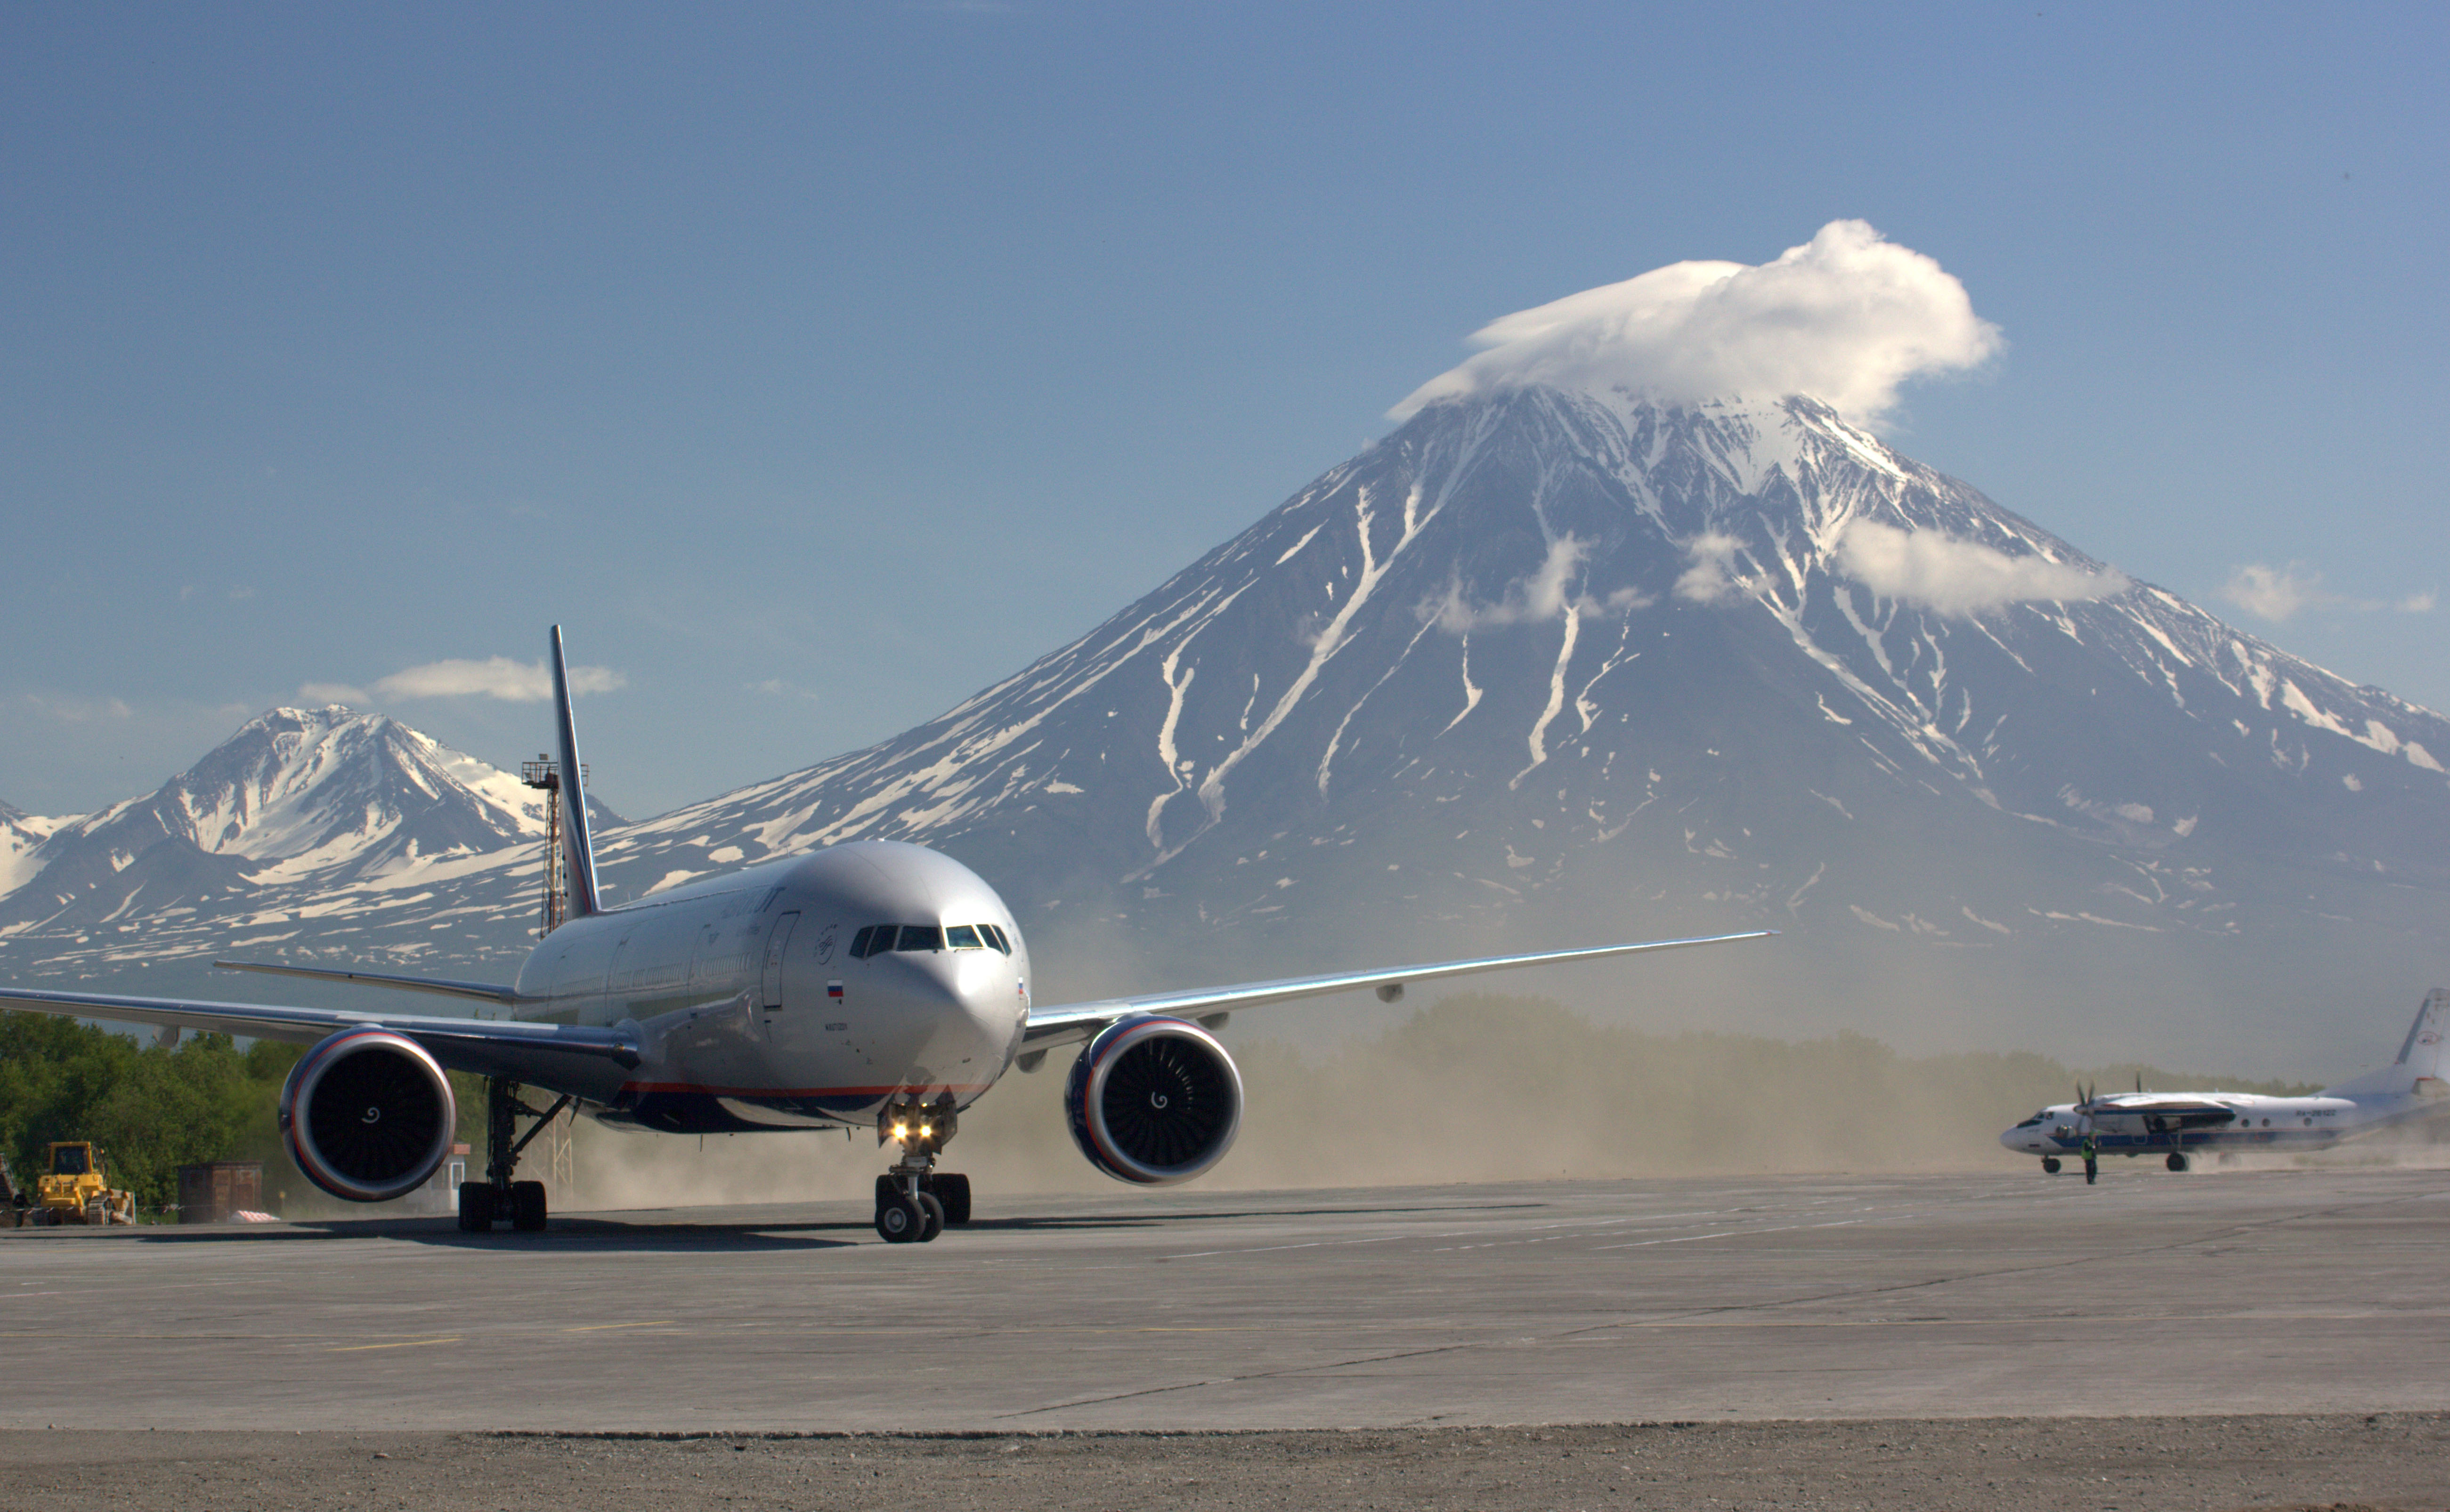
<point>2091,1157</point>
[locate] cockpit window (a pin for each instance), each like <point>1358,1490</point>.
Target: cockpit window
<point>875,940</point>
<point>67,1162</point>
<point>2034,1119</point>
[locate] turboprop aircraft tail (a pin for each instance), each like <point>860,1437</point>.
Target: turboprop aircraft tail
<point>2421,1056</point>
<point>2419,1068</point>
<point>578,842</point>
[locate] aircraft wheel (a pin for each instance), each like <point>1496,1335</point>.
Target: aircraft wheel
<point>953,1191</point>
<point>2177,1161</point>
<point>2050,1165</point>
<point>931,1215</point>
<point>475,1207</point>
<point>899,1219</point>
<point>528,1206</point>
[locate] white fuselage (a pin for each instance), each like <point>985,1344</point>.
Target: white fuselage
<point>2243,1121</point>
<point>752,1011</point>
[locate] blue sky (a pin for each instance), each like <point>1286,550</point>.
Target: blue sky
<point>817,365</point>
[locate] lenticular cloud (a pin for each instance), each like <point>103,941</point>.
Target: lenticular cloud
<point>1845,318</point>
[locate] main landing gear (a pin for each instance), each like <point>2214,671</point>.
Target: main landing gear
<point>2176,1161</point>
<point>484,1203</point>
<point>915,1202</point>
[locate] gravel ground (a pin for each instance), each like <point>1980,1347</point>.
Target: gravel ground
<point>2395,1461</point>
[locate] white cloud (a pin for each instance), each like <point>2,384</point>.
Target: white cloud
<point>495,677</point>
<point>1960,577</point>
<point>1846,318</point>
<point>1712,576</point>
<point>782,687</point>
<point>1546,595</point>
<point>81,710</point>
<point>2281,594</point>
<point>2274,594</point>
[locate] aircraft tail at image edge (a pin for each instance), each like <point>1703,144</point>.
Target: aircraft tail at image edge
<point>578,842</point>
<point>2422,1053</point>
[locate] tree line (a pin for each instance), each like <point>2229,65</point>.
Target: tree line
<point>151,1109</point>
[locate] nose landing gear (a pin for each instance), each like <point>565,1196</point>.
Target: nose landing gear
<point>2050,1165</point>
<point>915,1202</point>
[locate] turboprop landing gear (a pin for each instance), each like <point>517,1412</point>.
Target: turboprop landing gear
<point>484,1203</point>
<point>2177,1161</point>
<point>2050,1165</point>
<point>915,1202</point>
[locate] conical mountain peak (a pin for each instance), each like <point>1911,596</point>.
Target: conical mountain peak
<point>1542,665</point>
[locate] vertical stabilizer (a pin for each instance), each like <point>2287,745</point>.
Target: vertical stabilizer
<point>2421,1055</point>
<point>578,849</point>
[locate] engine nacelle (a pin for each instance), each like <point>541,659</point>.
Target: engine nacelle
<point>1154,1102</point>
<point>368,1115</point>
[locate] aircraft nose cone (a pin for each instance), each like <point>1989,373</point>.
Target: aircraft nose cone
<point>969,1020</point>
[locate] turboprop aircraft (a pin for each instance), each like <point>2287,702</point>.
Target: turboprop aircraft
<point>869,984</point>
<point>2181,1125</point>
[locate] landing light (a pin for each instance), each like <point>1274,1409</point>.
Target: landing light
<point>901,1130</point>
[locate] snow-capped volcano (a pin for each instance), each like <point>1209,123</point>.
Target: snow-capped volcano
<point>315,798</point>
<point>1542,652</point>
<point>1539,587</point>
<point>1546,665</point>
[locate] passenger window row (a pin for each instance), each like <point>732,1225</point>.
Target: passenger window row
<point>875,940</point>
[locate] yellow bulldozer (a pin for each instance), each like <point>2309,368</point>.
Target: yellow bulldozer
<point>71,1190</point>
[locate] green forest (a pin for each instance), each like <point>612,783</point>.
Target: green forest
<point>151,1109</point>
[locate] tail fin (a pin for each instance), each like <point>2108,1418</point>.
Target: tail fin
<point>579,847</point>
<point>2421,1056</point>
<point>2419,1068</point>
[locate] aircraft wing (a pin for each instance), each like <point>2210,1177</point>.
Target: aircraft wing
<point>2158,1105</point>
<point>547,1055</point>
<point>482,991</point>
<point>1070,1023</point>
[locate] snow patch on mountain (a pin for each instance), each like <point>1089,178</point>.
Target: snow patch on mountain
<point>22,837</point>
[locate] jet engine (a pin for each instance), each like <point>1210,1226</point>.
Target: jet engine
<point>1154,1102</point>
<point>368,1115</point>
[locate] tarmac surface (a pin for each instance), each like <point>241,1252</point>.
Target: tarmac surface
<point>1959,1464</point>
<point>1703,1301</point>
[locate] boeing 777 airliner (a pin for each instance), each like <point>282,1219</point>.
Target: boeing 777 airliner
<point>864,985</point>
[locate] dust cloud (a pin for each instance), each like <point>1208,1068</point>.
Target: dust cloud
<point>1472,1088</point>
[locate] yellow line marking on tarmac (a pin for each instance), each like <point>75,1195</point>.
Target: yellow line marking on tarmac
<point>405,1344</point>
<point>598,1327</point>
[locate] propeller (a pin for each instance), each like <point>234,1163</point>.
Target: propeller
<point>2084,1100</point>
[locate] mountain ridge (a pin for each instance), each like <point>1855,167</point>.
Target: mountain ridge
<point>1541,666</point>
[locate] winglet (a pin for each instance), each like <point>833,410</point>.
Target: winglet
<point>578,845</point>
